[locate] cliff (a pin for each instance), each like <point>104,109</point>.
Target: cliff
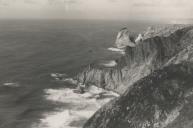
<point>164,99</point>
<point>157,48</point>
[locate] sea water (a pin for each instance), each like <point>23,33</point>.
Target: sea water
<point>32,51</point>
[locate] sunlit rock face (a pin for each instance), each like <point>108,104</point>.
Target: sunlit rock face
<point>139,39</point>
<point>123,39</point>
<point>151,54</point>
<point>163,99</point>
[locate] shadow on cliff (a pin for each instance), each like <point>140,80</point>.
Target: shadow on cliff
<point>162,99</point>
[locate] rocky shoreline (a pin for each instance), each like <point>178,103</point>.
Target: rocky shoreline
<point>154,78</point>
<point>139,61</point>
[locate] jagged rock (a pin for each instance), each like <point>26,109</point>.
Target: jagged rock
<point>123,39</point>
<point>139,61</point>
<point>157,75</point>
<point>164,99</point>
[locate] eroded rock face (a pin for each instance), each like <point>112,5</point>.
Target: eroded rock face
<point>164,99</point>
<point>139,61</point>
<point>123,39</point>
<point>139,39</point>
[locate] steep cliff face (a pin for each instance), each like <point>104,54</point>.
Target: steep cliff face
<point>139,61</point>
<point>164,99</point>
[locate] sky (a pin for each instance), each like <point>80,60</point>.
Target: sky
<point>97,9</point>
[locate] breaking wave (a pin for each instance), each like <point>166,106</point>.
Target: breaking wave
<point>111,63</point>
<point>77,109</point>
<point>10,84</point>
<point>63,78</point>
<point>121,51</point>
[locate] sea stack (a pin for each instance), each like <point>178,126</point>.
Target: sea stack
<point>123,39</point>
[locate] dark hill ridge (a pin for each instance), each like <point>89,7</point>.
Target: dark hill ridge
<point>139,61</point>
<point>164,99</point>
<point>186,55</point>
<point>162,30</point>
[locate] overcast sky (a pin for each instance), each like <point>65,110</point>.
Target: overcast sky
<point>97,9</point>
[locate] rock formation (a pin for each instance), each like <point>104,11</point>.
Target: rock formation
<point>123,39</point>
<point>154,78</point>
<point>139,61</point>
<point>164,99</point>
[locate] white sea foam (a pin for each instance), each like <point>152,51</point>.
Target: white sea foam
<point>58,76</point>
<point>70,80</point>
<point>121,51</point>
<point>111,63</point>
<point>115,49</point>
<point>63,77</point>
<point>80,106</point>
<point>10,84</point>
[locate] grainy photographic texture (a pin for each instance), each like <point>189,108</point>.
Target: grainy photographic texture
<point>96,64</point>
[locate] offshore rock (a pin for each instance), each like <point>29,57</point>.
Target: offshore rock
<point>139,61</point>
<point>164,99</point>
<point>123,39</point>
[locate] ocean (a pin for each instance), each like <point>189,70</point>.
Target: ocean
<point>31,50</point>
